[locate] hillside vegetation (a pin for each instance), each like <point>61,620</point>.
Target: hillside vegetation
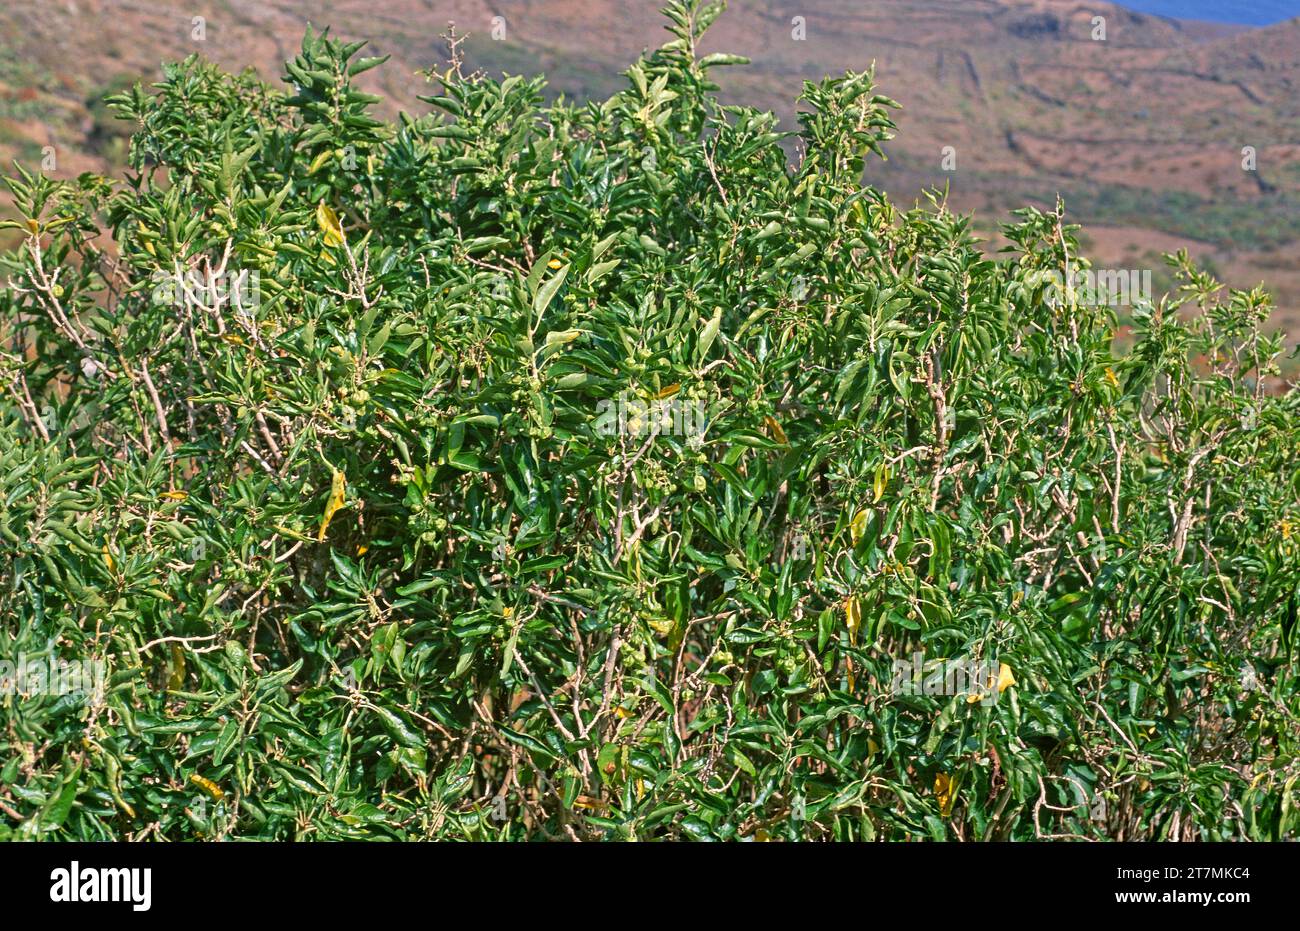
<point>516,471</point>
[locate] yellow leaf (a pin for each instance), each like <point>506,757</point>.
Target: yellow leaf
<point>1003,682</point>
<point>337,495</point>
<point>328,221</point>
<point>1110,377</point>
<point>208,786</point>
<point>660,625</point>
<point>777,433</point>
<point>943,792</point>
<point>290,532</point>
<point>669,391</point>
<point>858,525</point>
<point>108,558</point>
<point>319,161</point>
<point>554,264</point>
<point>852,617</point>
<point>881,481</point>
<point>176,495</point>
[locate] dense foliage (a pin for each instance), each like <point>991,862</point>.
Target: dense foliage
<point>379,541</point>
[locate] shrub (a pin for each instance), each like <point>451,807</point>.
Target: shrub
<point>591,472</point>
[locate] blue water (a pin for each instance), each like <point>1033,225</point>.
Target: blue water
<point>1252,12</point>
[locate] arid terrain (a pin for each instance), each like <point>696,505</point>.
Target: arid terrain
<point>1142,132</point>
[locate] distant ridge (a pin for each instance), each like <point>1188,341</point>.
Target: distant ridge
<point>1249,12</point>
